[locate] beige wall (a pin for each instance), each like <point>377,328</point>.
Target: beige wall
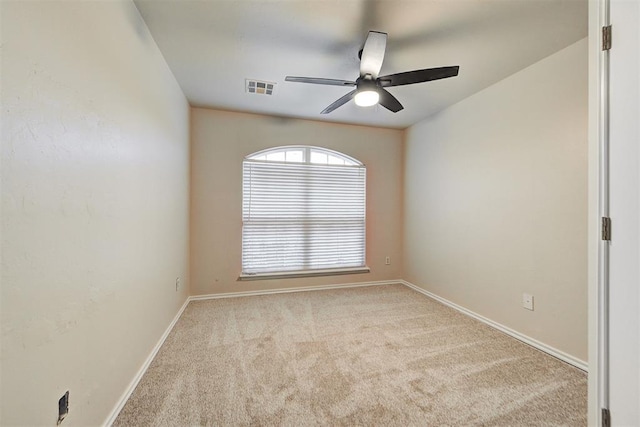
<point>496,201</point>
<point>220,141</point>
<point>95,195</point>
<point>95,160</point>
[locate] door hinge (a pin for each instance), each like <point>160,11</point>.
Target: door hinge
<point>606,37</point>
<point>606,418</point>
<point>606,228</point>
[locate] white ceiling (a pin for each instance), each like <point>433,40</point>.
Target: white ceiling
<point>212,46</point>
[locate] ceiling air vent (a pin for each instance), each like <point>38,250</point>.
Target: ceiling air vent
<point>259,87</point>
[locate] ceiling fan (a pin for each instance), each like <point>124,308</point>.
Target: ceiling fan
<point>370,88</point>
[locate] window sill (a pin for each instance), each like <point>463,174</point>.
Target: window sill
<point>308,273</point>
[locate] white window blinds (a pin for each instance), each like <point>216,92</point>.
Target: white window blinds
<point>302,216</point>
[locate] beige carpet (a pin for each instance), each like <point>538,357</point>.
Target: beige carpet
<point>379,355</point>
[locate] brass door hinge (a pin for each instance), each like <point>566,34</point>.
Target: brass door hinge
<point>606,228</point>
<point>606,418</point>
<point>606,37</point>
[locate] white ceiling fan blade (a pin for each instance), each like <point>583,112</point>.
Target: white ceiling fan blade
<point>373,54</point>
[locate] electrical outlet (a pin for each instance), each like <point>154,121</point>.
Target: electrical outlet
<point>387,260</point>
<point>177,283</point>
<point>527,301</point>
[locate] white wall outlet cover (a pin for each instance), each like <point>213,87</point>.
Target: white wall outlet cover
<point>527,301</point>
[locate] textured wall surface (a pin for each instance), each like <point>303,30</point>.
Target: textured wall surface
<point>94,206</point>
<point>95,202</point>
<point>496,201</point>
<point>221,140</point>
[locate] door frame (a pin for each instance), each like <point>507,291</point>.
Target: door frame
<point>598,207</point>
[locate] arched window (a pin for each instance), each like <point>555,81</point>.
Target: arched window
<point>303,212</point>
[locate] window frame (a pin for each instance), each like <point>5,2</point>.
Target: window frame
<point>307,150</point>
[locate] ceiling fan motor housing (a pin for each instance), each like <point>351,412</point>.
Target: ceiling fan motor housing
<point>366,83</point>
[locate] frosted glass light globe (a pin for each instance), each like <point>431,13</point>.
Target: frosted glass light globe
<point>367,98</point>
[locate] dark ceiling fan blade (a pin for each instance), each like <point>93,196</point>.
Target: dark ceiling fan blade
<point>340,102</point>
<point>319,81</point>
<point>373,54</point>
<point>389,101</point>
<point>418,76</point>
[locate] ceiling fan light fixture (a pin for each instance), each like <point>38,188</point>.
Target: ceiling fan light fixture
<point>367,98</point>
<point>370,87</point>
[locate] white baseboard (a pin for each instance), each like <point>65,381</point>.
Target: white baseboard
<point>134,382</point>
<point>288,290</point>
<point>574,361</point>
